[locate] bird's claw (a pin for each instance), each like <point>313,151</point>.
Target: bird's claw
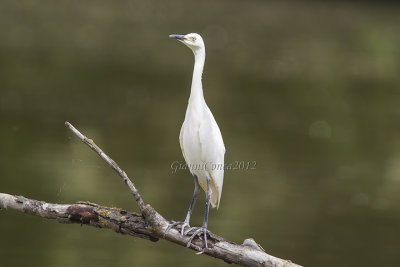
<point>197,230</point>
<point>182,227</point>
<point>193,231</point>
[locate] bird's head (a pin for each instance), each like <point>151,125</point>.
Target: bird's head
<point>192,40</point>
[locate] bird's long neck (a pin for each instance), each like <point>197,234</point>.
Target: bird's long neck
<point>196,94</point>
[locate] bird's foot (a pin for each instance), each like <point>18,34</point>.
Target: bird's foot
<point>197,231</point>
<point>179,225</point>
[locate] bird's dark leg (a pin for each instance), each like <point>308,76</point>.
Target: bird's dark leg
<point>193,202</point>
<point>203,229</point>
<point>189,213</point>
<point>208,197</point>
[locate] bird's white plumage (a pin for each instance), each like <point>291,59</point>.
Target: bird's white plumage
<point>200,137</point>
<point>203,149</point>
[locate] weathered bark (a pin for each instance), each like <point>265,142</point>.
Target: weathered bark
<point>148,225</point>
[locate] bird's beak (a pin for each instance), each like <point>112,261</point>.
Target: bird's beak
<point>178,36</point>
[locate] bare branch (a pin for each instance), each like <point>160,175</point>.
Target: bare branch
<point>120,172</point>
<point>92,214</point>
<point>124,222</point>
<point>149,225</point>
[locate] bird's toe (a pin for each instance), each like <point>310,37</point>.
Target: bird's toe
<point>183,228</point>
<point>179,225</point>
<point>196,232</point>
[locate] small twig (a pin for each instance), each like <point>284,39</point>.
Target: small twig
<point>119,171</point>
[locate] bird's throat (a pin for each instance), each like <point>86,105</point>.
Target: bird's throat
<point>196,93</point>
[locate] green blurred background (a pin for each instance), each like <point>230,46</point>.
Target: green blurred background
<point>308,90</point>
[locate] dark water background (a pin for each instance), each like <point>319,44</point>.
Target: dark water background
<point>308,90</point>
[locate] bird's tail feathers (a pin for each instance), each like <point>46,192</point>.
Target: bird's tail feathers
<point>215,195</point>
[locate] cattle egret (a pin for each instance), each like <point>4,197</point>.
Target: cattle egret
<point>201,143</point>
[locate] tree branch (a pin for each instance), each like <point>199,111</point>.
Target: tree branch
<point>148,225</point>
<point>116,168</point>
<point>87,213</point>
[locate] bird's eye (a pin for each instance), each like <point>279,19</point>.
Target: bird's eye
<point>193,39</point>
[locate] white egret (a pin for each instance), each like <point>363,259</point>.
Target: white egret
<point>201,142</point>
